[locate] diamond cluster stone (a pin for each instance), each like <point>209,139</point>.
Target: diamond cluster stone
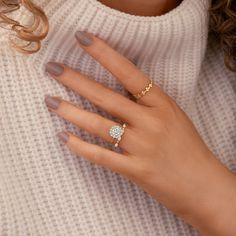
<point>116,131</point>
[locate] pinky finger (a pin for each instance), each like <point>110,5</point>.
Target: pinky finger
<point>101,156</point>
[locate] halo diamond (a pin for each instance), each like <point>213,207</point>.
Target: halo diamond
<point>116,132</point>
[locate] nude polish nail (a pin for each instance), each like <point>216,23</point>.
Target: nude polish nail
<point>63,136</point>
<point>54,68</point>
<point>84,38</point>
<point>52,102</point>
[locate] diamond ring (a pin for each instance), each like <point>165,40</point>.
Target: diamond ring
<point>116,132</point>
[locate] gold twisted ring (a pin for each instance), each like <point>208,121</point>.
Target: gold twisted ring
<point>144,91</point>
<point>116,132</point>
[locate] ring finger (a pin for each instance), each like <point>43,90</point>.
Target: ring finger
<point>88,121</point>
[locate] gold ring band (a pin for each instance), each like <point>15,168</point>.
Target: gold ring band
<point>144,91</point>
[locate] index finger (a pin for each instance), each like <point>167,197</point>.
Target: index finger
<point>133,79</point>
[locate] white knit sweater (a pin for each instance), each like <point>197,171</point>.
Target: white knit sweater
<point>44,188</point>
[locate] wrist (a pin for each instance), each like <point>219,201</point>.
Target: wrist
<point>213,209</point>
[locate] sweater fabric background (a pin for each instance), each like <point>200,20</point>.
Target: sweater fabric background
<point>47,190</point>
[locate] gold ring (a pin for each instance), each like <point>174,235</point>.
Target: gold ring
<point>144,91</point>
<point>116,132</point>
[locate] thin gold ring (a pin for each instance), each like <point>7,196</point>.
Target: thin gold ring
<point>144,91</point>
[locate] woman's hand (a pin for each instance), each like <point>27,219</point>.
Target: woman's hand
<point>162,150</point>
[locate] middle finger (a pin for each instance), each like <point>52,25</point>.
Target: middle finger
<point>111,101</point>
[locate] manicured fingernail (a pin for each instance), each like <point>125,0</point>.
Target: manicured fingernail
<point>54,68</point>
<point>84,38</point>
<point>63,136</point>
<point>52,102</point>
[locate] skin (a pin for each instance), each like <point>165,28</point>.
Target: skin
<point>162,151</point>
<point>143,7</point>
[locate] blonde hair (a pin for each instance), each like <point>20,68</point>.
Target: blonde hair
<point>26,38</point>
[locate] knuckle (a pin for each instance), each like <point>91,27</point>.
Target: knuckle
<point>162,118</point>
<point>162,126</point>
<point>154,122</point>
<point>134,73</point>
<point>104,98</point>
<point>173,108</point>
<point>95,122</point>
<point>157,123</point>
<point>100,51</point>
<point>97,157</point>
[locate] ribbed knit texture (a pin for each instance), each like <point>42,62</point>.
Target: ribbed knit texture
<point>44,188</point>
